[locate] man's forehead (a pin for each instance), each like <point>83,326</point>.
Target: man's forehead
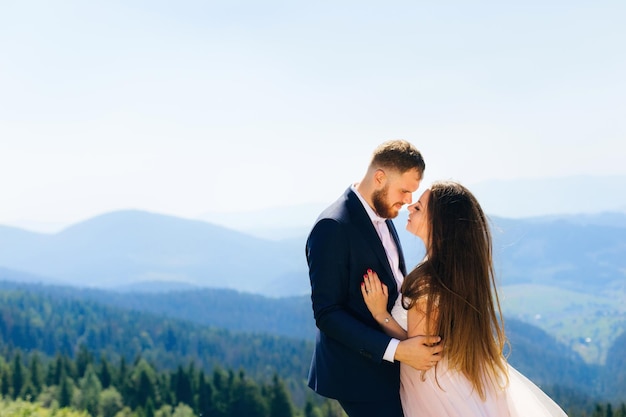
<point>411,179</point>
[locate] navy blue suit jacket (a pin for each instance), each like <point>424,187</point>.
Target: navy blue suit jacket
<point>348,359</point>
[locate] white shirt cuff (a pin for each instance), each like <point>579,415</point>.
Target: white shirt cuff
<point>390,352</point>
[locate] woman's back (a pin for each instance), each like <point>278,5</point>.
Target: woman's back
<point>448,393</point>
<point>441,392</point>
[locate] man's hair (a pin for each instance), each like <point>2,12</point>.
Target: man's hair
<point>398,155</point>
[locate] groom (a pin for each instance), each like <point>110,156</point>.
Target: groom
<point>354,361</point>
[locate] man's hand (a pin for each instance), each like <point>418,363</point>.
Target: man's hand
<point>420,352</point>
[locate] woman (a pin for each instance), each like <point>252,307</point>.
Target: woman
<point>451,293</point>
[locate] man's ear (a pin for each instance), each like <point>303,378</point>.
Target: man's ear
<point>380,177</point>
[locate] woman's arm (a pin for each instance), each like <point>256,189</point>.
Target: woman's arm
<point>416,319</point>
<point>416,348</point>
<point>375,294</point>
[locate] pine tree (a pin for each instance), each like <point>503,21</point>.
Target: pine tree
<point>105,374</point>
<point>221,393</point>
<point>149,409</point>
<point>143,381</point>
<point>183,388</point>
<point>310,410</point>
<point>83,359</point>
<point>69,367</point>
<point>123,385</point>
<point>247,399</point>
<point>36,374</point>
<point>280,402</point>
<point>163,386</point>
<point>90,389</point>
<point>205,394</point>
<point>55,370</point>
<point>65,391</point>
<point>17,375</point>
<point>5,381</point>
<point>609,410</point>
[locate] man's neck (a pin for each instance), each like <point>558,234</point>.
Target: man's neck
<point>366,193</point>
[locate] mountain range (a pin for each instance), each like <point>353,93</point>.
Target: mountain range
<point>129,248</point>
<point>565,274</point>
<point>132,247</point>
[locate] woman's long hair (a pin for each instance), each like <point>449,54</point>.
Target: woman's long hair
<point>456,280</point>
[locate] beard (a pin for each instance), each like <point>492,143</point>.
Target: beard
<point>384,209</point>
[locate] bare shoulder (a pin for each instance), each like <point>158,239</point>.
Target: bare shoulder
<point>417,325</point>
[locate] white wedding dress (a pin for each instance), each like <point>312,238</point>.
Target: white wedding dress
<point>451,394</point>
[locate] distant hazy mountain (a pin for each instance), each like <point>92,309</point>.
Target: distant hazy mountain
<point>582,253</point>
<point>611,219</point>
<point>132,247</point>
<point>24,277</point>
<point>565,253</point>
<point>552,196</point>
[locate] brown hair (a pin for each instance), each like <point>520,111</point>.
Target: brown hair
<point>457,282</point>
<point>398,155</point>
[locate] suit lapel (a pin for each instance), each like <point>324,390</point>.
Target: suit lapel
<point>365,226</point>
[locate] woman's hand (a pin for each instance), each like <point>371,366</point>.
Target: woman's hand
<point>375,294</point>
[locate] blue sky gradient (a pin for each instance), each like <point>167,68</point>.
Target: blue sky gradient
<point>191,107</point>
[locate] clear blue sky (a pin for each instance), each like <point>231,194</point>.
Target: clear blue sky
<point>188,107</point>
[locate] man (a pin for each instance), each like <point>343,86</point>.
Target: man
<point>354,361</point>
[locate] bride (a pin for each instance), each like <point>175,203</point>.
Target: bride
<point>451,293</point>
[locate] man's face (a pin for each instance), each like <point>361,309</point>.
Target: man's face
<point>397,191</point>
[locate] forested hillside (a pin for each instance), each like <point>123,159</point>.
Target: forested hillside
<point>33,322</point>
<point>60,322</point>
<point>103,388</point>
<point>222,308</point>
<point>615,370</point>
